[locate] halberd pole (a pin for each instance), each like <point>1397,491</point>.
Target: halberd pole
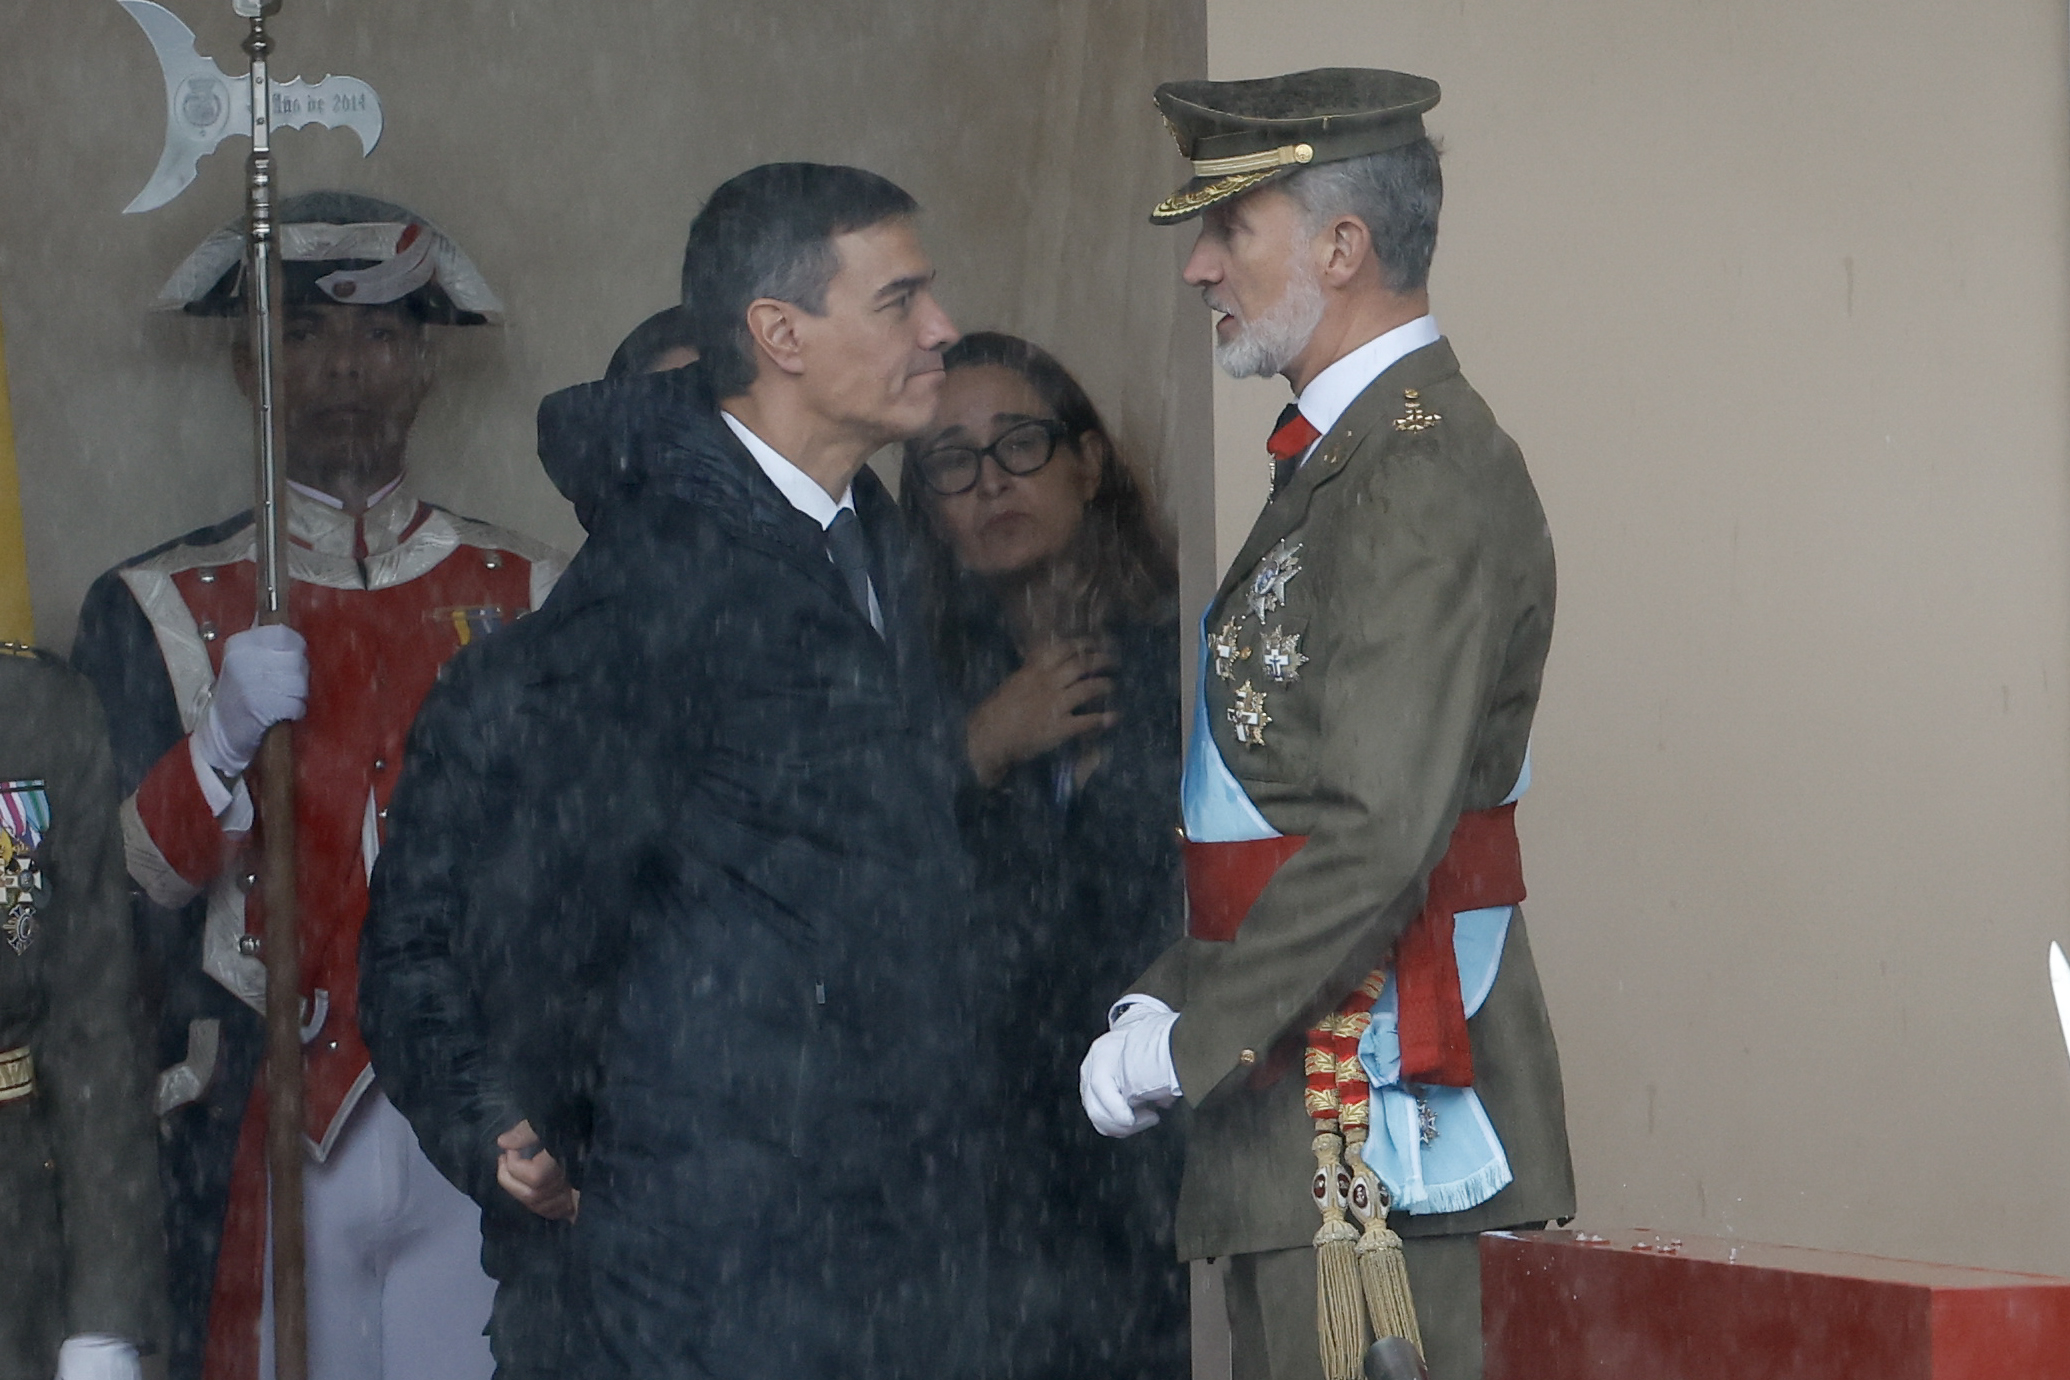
<point>282,940</point>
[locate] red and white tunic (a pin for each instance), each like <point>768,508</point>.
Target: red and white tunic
<point>382,599</point>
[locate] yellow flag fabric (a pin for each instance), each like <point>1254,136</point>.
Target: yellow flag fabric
<point>17,624</point>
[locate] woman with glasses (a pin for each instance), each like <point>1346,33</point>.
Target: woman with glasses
<point>1050,597</point>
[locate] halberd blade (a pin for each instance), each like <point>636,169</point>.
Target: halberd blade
<point>336,102</point>
<point>202,105</point>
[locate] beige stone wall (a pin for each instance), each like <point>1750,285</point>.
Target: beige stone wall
<point>1773,296</point>
<point>567,146</point>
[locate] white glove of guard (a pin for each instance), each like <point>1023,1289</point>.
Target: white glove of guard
<point>265,679</point>
<point>1128,1071</point>
<point>96,1356</point>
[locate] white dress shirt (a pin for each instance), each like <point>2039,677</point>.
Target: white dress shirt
<point>1323,401</point>
<point>802,491</point>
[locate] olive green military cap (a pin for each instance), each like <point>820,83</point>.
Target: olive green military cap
<point>1240,133</point>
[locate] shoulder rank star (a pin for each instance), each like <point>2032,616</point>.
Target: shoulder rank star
<point>1415,418</point>
<point>1269,585</point>
<point>1223,647</point>
<point>1248,717</point>
<point>1283,658</point>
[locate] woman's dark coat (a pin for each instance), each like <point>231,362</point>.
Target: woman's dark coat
<point>1081,886</point>
<point>706,814</point>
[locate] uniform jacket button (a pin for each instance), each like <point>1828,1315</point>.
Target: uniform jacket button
<point>1247,1057</point>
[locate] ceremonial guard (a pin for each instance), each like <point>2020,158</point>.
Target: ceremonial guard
<point>384,588</point>
<point>85,1266</point>
<point>1354,1019</point>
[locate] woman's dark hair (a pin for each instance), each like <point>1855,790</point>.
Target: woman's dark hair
<point>1123,561</point>
<point>668,329</point>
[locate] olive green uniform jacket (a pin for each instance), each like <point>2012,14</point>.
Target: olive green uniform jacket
<point>80,1242</point>
<point>1423,601</point>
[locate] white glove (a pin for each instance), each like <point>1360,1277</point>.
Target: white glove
<point>97,1356</point>
<point>265,679</point>
<point>1128,1071</point>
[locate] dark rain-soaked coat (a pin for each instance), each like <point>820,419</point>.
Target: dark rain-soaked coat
<point>710,814</point>
<point>1081,888</point>
<point>80,1245</point>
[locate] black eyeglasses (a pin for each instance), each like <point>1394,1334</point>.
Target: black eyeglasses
<point>1023,449</point>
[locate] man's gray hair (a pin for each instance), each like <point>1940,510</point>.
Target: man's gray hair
<point>1396,193</point>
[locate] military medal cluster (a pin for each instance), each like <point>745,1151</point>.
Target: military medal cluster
<point>24,815</point>
<point>1280,657</point>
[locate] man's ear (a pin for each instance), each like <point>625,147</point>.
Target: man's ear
<point>1347,247</point>
<point>774,327</point>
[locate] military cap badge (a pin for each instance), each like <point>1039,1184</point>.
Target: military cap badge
<point>24,815</point>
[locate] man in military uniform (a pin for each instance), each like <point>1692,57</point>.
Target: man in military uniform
<point>1372,664</point>
<point>384,587</point>
<point>85,1266</point>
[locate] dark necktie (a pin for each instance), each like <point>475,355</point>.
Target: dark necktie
<point>851,552</point>
<point>1291,437</point>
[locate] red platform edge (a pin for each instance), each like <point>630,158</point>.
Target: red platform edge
<point>1642,1305</point>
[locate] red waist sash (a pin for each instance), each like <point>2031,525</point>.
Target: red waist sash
<point>1482,867</point>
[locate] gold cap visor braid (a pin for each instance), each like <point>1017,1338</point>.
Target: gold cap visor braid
<point>1241,134</point>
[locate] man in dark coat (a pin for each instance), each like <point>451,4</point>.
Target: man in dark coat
<point>674,872</point>
<point>85,1260</point>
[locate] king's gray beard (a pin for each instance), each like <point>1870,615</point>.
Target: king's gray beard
<point>1267,344</point>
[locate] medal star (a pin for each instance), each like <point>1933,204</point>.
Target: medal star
<point>1222,646</point>
<point>1269,585</point>
<point>1283,658</point>
<point>21,891</point>
<point>1248,717</point>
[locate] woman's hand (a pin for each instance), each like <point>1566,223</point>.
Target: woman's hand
<point>1035,709</point>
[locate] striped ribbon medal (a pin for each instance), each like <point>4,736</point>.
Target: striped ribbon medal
<point>24,815</point>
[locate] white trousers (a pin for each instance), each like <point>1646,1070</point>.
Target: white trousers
<point>396,1289</point>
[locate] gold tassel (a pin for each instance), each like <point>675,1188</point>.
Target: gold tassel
<point>1340,1314</point>
<point>1383,1271</point>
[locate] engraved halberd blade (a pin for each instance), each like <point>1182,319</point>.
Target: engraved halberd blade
<point>336,102</point>
<point>202,105</point>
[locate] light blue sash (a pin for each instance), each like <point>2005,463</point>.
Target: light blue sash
<point>1434,1147</point>
<point>1216,808</point>
<point>1462,1164</point>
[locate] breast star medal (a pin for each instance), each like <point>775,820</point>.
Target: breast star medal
<point>24,815</point>
<point>1248,717</point>
<point>1283,658</point>
<point>1269,585</point>
<point>1223,647</point>
<point>1415,418</point>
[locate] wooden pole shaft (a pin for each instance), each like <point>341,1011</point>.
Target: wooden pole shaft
<point>276,763</point>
